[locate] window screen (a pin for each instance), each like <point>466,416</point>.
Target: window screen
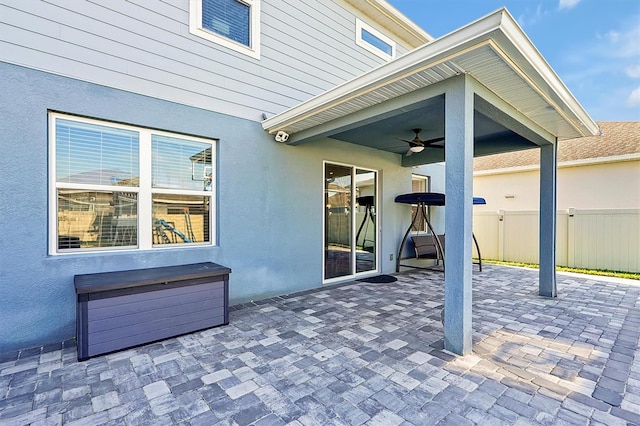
<point>100,199</point>
<point>182,164</point>
<point>92,154</point>
<point>229,18</point>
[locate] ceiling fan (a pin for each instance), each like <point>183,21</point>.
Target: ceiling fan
<point>417,144</point>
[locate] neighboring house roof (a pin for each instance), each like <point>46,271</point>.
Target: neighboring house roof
<point>618,139</point>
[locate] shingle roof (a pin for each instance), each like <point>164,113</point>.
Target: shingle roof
<point>618,138</point>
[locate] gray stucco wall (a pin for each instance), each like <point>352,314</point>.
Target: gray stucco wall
<point>270,203</point>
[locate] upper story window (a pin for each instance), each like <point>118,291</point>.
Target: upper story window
<point>231,23</point>
<point>123,187</point>
<point>374,41</point>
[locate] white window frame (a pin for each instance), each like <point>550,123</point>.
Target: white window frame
<point>424,178</point>
<point>354,225</point>
<point>427,180</point>
<point>145,189</point>
<point>195,28</point>
<point>360,25</point>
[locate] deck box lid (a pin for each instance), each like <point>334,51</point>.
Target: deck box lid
<point>103,281</point>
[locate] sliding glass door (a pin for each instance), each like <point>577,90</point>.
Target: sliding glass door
<point>337,221</point>
<point>350,225</point>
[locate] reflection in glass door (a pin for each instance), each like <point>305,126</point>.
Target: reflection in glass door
<point>350,240</point>
<point>365,243</point>
<point>337,221</point>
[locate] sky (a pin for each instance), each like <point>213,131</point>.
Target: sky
<point>593,45</point>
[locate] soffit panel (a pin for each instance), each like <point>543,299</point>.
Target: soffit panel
<point>496,55</point>
<point>383,93</point>
<point>489,68</point>
<point>484,64</point>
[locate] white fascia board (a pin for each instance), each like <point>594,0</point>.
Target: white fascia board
<point>507,170</point>
<point>535,132</point>
<point>402,26</point>
<point>498,29</point>
<point>600,160</point>
<point>585,124</point>
<point>398,17</point>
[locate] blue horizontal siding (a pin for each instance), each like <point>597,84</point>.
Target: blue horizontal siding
<point>307,47</point>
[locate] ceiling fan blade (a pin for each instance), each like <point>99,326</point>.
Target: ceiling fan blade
<point>431,143</point>
<point>434,140</point>
<point>409,153</point>
<point>410,142</point>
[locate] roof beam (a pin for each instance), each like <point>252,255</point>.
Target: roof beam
<point>492,106</point>
<point>390,108</point>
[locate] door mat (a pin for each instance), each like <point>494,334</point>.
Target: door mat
<point>379,279</point>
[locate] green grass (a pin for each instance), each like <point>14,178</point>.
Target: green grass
<point>617,274</point>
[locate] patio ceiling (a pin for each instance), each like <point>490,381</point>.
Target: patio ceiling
<point>519,103</point>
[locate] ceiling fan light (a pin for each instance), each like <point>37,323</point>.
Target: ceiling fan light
<point>418,148</point>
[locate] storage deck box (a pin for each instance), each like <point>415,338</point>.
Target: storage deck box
<point>119,310</point>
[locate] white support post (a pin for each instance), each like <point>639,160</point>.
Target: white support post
<point>547,255</point>
<point>571,237</point>
<point>501,235</point>
<point>458,216</point>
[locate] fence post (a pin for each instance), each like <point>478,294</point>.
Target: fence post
<point>501,235</point>
<point>571,237</point>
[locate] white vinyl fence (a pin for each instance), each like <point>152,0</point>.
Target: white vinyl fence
<point>591,239</point>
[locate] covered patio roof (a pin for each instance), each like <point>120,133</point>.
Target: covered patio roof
<point>483,89</point>
<point>520,103</point>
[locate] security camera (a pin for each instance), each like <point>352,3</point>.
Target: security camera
<point>282,136</point>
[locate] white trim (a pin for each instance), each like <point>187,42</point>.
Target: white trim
<point>171,191</point>
<point>353,224</point>
<point>195,28</point>
<point>144,189</point>
<point>427,179</point>
<point>52,229</point>
<point>506,170</point>
<point>93,187</point>
<point>600,160</point>
<point>498,31</point>
<point>524,45</point>
<point>393,20</point>
<point>360,25</point>
<point>145,198</point>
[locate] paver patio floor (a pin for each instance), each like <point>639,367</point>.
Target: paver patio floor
<point>361,353</point>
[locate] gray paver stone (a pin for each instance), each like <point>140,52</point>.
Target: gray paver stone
<point>358,353</point>
<point>608,396</point>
